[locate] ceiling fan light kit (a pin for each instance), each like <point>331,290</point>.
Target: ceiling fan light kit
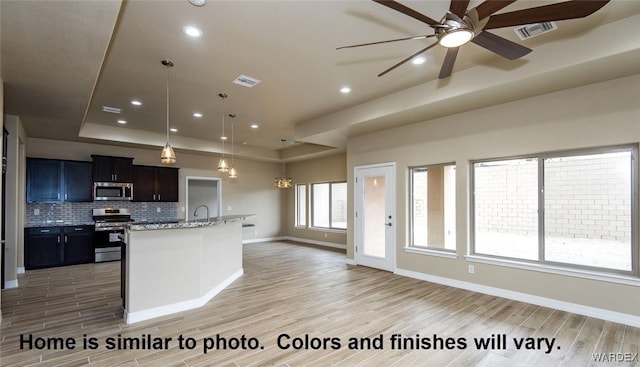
<point>461,25</point>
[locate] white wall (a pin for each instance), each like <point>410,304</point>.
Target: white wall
<point>591,116</point>
<point>15,200</point>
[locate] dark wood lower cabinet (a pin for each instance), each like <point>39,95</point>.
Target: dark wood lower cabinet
<point>56,246</point>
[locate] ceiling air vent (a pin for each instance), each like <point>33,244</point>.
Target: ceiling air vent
<point>532,30</point>
<point>246,81</point>
<point>111,109</point>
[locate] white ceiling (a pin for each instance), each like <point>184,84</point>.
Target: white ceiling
<point>63,60</point>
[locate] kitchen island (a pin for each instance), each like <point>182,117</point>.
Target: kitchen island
<point>177,266</point>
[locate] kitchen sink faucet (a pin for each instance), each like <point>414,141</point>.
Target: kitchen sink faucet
<point>195,212</point>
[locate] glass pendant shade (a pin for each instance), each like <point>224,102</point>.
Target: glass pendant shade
<point>283,182</point>
<point>233,173</point>
<point>168,155</point>
<point>223,165</point>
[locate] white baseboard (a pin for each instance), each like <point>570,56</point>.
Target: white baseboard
<point>350,261</point>
<point>131,317</point>
<point>264,239</point>
<point>8,284</point>
<point>599,313</point>
<point>20,269</point>
<point>297,239</point>
<point>314,242</point>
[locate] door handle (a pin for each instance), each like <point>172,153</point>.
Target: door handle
<point>388,224</point>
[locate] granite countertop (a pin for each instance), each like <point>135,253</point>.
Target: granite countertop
<point>58,223</point>
<point>213,221</point>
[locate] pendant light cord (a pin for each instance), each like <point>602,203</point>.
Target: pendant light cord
<point>168,103</point>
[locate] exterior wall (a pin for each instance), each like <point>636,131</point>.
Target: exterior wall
<point>325,169</point>
<point>597,115</point>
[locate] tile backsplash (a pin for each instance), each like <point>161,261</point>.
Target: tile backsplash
<point>82,212</point>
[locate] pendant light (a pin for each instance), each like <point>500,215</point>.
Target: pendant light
<point>223,165</point>
<point>232,168</point>
<point>168,155</point>
<point>283,182</point>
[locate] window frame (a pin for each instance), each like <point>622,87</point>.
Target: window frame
<point>311,205</point>
<point>577,268</point>
<point>297,213</point>
<point>411,245</point>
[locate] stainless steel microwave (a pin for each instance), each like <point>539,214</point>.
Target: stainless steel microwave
<point>112,191</point>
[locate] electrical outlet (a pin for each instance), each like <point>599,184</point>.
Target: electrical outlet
<point>158,209</point>
<point>255,232</point>
<point>229,208</point>
<point>325,235</point>
<point>472,269</point>
<point>183,209</point>
<point>36,211</point>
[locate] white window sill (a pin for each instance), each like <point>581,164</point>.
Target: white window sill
<point>544,268</point>
<point>431,252</point>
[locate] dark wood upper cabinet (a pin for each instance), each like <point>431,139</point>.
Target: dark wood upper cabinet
<point>52,180</point>
<point>44,180</point>
<point>155,183</point>
<point>77,181</point>
<point>112,169</point>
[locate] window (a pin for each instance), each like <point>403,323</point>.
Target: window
<point>574,209</point>
<point>433,207</point>
<point>329,205</point>
<point>301,205</point>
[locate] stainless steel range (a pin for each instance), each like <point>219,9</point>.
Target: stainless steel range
<point>109,232</point>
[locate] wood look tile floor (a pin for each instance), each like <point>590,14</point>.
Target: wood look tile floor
<point>307,293</point>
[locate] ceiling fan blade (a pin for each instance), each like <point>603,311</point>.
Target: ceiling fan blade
<point>393,40</point>
<point>408,11</point>
<point>501,46</point>
<point>491,6</point>
<point>449,60</point>
<point>407,59</point>
<point>546,13</point>
<point>458,7</point>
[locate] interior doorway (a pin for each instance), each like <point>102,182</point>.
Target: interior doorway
<point>203,191</point>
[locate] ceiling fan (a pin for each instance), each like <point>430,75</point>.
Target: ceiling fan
<point>461,25</point>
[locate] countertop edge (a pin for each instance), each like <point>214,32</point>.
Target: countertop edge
<point>189,224</point>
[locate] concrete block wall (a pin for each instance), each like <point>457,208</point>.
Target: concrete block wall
<point>587,197</point>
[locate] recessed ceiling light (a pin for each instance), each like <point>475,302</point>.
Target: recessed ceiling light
<point>197,114</point>
<point>192,31</point>
<point>223,138</point>
<point>254,126</point>
<point>198,2</point>
<point>173,130</point>
<point>122,121</point>
<point>135,102</point>
<point>418,60</point>
<point>345,90</point>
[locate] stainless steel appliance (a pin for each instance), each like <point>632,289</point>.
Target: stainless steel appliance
<point>109,232</point>
<point>112,191</point>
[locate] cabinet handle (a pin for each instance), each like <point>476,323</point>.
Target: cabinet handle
<point>65,196</point>
<point>66,239</point>
<point>45,230</point>
<point>78,229</point>
<point>58,196</point>
<point>158,197</point>
<point>154,197</point>
<point>58,238</point>
<point>115,177</point>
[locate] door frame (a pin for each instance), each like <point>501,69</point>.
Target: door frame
<point>390,188</point>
